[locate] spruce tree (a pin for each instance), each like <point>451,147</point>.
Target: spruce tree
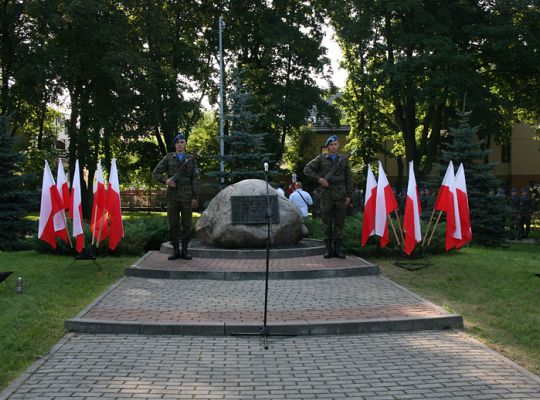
<point>488,212</point>
<point>245,143</point>
<point>16,197</point>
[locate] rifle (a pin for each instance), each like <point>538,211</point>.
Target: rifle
<point>176,176</point>
<point>331,173</point>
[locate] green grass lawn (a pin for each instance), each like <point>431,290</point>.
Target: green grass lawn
<point>32,322</point>
<point>496,290</point>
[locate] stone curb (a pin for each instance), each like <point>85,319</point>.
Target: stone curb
<point>252,275</point>
<point>451,321</point>
<point>242,254</point>
<point>14,385</point>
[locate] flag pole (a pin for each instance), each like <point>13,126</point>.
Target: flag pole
<point>428,226</point>
<point>67,230</point>
<point>100,228</point>
<point>399,225</point>
<point>434,228</point>
<point>95,220</point>
<point>394,229</point>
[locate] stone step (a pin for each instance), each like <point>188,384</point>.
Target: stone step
<point>156,265</point>
<point>301,307</point>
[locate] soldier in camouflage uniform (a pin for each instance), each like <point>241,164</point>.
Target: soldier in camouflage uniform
<point>180,173</point>
<point>335,194</point>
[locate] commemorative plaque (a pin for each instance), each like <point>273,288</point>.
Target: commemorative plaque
<point>249,210</point>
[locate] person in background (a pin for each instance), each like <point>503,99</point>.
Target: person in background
<point>301,199</point>
<point>281,189</point>
<point>357,200</point>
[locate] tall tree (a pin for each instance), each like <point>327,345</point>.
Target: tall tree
<point>17,199</point>
<point>488,212</point>
<point>412,61</point>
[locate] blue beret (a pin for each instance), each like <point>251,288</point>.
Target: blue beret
<point>178,137</point>
<point>330,139</point>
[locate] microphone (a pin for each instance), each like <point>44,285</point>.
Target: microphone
<point>265,166</point>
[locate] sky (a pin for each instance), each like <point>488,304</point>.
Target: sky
<point>339,75</point>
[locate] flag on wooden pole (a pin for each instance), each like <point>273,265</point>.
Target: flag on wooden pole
<point>75,210</point>
<point>411,220</point>
<point>51,206</point>
<point>463,206</point>
<point>99,224</point>
<point>447,202</point>
<point>385,204</point>
<point>116,231</point>
<point>368,227</point>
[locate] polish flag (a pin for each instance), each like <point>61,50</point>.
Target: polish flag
<point>116,232</point>
<point>447,202</point>
<point>75,210</point>
<point>99,223</point>
<point>411,220</point>
<point>463,206</point>
<point>368,227</point>
<point>51,206</point>
<point>385,204</point>
<point>63,190</point>
<point>62,185</point>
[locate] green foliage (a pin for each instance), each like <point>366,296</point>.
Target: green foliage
<point>488,212</point>
<point>141,234</point>
<point>300,148</point>
<point>17,196</point>
<point>410,62</point>
<point>245,143</point>
<point>204,141</point>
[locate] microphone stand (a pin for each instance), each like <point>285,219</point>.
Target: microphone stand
<point>265,332</point>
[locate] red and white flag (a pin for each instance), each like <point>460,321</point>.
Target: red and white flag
<point>99,223</point>
<point>385,204</point>
<point>116,231</point>
<point>411,220</point>
<point>463,206</point>
<point>368,227</point>
<point>62,185</point>
<point>51,206</point>
<point>447,202</point>
<point>75,211</point>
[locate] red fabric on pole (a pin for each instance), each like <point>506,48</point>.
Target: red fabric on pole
<point>51,205</point>
<point>447,202</point>
<point>76,210</point>
<point>368,226</point>
<point>385,204</point>
<point>411,219</point>
<point>463,207</point>
<point>114,209</point>
<point>99,221</point>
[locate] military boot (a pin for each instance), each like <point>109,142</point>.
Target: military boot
<point>184,253</point>
<point>176,251</point>
<point>338,252</point>
<point>328,244</point>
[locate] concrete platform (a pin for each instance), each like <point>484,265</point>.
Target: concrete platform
<point>302,307</point>
<point>155,265</point>
<point>304,248</point>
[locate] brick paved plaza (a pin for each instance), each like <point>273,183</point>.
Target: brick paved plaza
<point>405,355</point>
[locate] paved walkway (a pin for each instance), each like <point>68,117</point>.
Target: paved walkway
<point>420,365</point>
<point>436,364</point>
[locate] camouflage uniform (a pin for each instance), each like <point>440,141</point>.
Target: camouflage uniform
<point>333,208</point>
<point>186,175</point>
